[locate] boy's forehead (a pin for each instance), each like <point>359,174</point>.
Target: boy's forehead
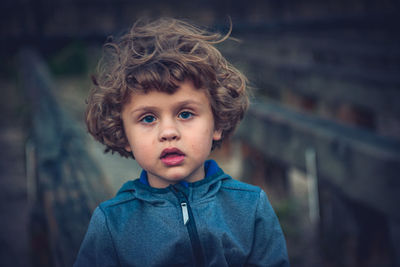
<point>185,87</point>
<point>186,92</point>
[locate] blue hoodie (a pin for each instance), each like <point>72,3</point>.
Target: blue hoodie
<point>217,221</point>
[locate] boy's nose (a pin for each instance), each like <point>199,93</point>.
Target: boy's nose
<point>169,133</point>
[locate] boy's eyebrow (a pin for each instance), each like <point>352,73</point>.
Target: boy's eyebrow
<point>145,108</point>
<point>189,102</point>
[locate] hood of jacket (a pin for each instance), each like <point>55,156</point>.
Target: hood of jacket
<point>197,191</point>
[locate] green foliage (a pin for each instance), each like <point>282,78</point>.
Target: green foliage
<point>7,66</point>
<point>289,213</point>
<point>70,60</point>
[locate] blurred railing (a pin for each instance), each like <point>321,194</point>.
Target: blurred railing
<point>64,183</point>
<point>363,165</point>
<point>352,175</point>
<point>327,105</point>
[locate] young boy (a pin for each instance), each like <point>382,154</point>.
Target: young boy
<point>166,97</point>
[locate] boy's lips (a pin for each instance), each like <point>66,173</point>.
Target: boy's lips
<point>172,156</point>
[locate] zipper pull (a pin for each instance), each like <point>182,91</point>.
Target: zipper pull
<point>185,213</point>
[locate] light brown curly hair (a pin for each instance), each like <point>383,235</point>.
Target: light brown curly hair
<point>159,55</point>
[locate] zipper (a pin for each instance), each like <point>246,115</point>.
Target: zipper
<point>185,213</point>
<point>188,221</point>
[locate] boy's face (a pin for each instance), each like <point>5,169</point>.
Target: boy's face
<point>170,135</point>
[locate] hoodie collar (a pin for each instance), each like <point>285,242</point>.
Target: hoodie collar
<point>204,188</point>
<point>210,169</point>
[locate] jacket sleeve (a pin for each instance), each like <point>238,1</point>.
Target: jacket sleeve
<point>97,248</point>
<point>269,245</point>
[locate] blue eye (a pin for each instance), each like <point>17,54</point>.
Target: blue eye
<point>148,119</point>
<point>185,115</point>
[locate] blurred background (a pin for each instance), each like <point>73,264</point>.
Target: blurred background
<point>322,136</point>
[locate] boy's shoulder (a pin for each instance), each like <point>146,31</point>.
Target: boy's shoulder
<point>125,194</point>
<point>233,184</point>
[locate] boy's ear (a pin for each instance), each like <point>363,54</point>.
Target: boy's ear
<point>217,135</point>
<point>128,148</point>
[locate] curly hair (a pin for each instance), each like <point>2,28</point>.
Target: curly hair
<point>159,55</point>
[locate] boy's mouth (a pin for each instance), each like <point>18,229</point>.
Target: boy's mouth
<point>172,156</point>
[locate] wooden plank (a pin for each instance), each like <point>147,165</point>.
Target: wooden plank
<point>69,183</point>
<point>379,94</point>
<point>363,165</point>
<point>359,72</point>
